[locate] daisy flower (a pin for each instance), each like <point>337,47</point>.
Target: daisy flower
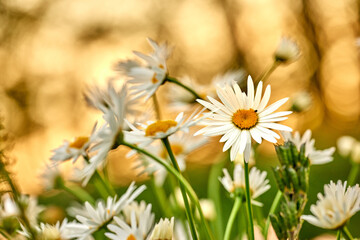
<point>240,117</point>
<point>50,232</point>
<point>316,157</point>
<point>93,218</point>
<point>336,207</point>
<point>258,182</point>
<point>163,230</point>
<point>286,51</point>
<point>148,77</point>
<point>181,144</point>
<point>160,129</point>
<point>8,207</point>
<point>71,150</point>
<point>138,222</point>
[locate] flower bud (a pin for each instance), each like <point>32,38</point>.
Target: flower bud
<point>286,51</point>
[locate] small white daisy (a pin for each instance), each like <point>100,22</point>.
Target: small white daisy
<point>241,117</point>
<point>181,144</point>
<point>50,232</point>
<point>163,230</point>
<point>336,207</point>
<point>8,207</point>
<point>50,175</point>
<point>93,218</point>
<point>138,222</point>
<point>258,182</point>
<point>316,157</point>
<point>287,50</point>
<point>71,150</point>
<point>147,78</point>
<point>160,129</point>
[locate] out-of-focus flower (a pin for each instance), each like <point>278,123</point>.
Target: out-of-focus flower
<point>71,150</point>
<point>301,101</point>
<point>163,230</point>
<point>286,51</point>
<point>50,232</point>
<point>349,146</point>
<point>8,207</point>
<point>91,219</point>
<point>181,98</point>
<point>181,144</point>
<point>336,207</point>
<point>258,182</point>
<point>50,177</point>
<point>208,208</point>
<point>316,157</point>
<point>138,222</point>
<point>148,77</point>
<point>160,129</point>
<point>241,117</point>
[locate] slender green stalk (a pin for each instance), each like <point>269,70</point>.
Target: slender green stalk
<point>353,173</point>
<point>190,90</point>
<point>346,233</point>
<point>234,211</point>
<point>213,193</point>
<point>16,195</point>
<point>156,106</point>
<point>100,183</point>
<point>248,201</point>
<point>189,214</point>
<point>79,193</point>
<point>5,234</point>
<point>338,235</point>
<point>181,179</point>
<point>264,76</point>
<point>273,208</point>
<point>160,197</point>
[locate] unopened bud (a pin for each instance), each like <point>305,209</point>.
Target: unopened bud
<point>301,102</point>
<point>286,51</point>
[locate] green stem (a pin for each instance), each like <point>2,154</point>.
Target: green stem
<point>174,80</point>
<point>181,179</point>
<point>346,233</point>
<point>234,211</point>
<point>100,183</point>
<point>353,173</point>
<point>156,106</point>
<point>160,197</point>
<point>338,235</point>
<point>189,214</point>
<point>264,76</point>
<point>273,208</point>
<point>248,201</point>
<point>213,193</point>
<point>5,234</point>
<point>79,193</point>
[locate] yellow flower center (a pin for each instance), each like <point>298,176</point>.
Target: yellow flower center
<point>154,79</point>
<point>131,237</point>
<point>161,66</point>
<point>177,149</point>
<point>79,142</point>
<point>245,119</point>
<point>159,126</point>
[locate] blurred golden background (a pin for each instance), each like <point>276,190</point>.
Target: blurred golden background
<point>51,50</point>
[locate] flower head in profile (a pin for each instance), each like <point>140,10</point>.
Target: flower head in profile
<point>160,129</point>
<point>50,232</point>
<point>92,218</point>
<point>148,76</point>
<point>336,207</point>
<point>258,182</point>
<point>316,157</point>
<point>71,150</point>
<point>287,51</point>
<point>137,223</point>
<point>163,230</point>
<point>240,117</point>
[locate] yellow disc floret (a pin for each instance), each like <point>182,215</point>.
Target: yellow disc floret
<point>159,126</point>
<point>131,237</point>
<point>79,142</point>
<point>245,119</point>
